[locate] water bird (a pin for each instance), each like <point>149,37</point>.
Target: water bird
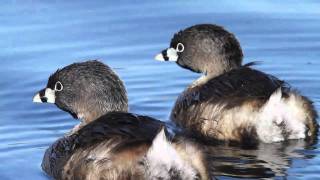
<point>232,102</point>
<point>110,142</point>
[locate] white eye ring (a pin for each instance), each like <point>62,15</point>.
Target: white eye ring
<point>56,88</point>
<point>180,47</point>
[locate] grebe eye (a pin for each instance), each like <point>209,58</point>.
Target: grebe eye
<point>180,47</point>
<point>58,86</point>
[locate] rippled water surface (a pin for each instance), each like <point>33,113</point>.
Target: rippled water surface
<point>37,37</point>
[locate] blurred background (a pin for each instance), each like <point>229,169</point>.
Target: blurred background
<point>40,36</point>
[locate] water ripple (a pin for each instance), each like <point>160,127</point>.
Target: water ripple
<point>37,37</point>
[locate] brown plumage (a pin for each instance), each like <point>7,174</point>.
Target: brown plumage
<point>234,102</point>
<point>111,143</point>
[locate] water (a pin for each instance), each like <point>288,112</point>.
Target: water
<point>37,37</point>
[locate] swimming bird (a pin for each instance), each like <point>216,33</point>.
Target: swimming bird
<point>232,102</point>
<point>110,142</point>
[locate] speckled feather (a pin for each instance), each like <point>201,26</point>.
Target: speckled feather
<point>238,84</point>
<point>213,50</point>
<point>111,143</point>
<point>232,102</point>
<point>89,88</point>
<point>124,127</point>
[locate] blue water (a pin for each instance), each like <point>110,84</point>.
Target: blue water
<point>39,36</point>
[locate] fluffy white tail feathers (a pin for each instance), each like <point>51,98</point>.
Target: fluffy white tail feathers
<point>275,97</point>
<point>279,119</point>
<point>162,149</point>
<point>164,161</point>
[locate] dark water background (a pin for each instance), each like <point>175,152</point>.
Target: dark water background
<point>39,36</point>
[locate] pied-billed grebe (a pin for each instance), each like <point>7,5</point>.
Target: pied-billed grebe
<point>111,143</point>
<point>231,101</point>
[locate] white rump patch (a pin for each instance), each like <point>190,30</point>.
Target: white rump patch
<point>161,146</point>
<point>279,117</point>
<point>162,157</point>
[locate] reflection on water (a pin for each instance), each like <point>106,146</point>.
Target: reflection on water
<point>265,161</point>
<point>37,37</point>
